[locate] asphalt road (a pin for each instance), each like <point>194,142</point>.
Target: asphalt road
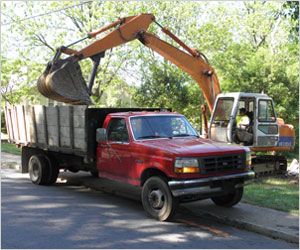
<point>66,215</point>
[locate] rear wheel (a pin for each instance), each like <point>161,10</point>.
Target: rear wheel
<point>39,169</point>
<point>42,171</point>
<point>157,199</point>
<point>230,199</point>
<point>54,170</point>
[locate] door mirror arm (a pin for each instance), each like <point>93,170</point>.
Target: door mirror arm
<point>101,137</point>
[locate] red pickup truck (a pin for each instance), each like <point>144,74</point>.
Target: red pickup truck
<point>159,151</point>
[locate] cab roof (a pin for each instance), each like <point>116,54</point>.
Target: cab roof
<point>144,113</point>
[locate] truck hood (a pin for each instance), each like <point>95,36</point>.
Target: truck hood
<point>192,146</point>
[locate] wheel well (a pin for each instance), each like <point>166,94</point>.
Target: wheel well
<point>27,152</point>
<point>152,172</point>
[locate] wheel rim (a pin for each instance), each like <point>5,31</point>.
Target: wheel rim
<point>34,172</point>
<point>156,199</point>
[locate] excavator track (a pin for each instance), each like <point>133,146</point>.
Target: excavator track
<point>267,165</point>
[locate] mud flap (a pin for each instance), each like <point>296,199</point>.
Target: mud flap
<point>63,81</point>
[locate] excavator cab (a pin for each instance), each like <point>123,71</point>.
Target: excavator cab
<point>264,133</point>
<point>262,130</point>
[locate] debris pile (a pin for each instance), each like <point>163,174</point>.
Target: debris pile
<point>293,169</point>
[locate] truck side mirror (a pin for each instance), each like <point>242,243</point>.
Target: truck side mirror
<point>101,135</point>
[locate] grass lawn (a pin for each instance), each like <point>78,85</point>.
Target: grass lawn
<point>10,148</point>
<point>274,192</point>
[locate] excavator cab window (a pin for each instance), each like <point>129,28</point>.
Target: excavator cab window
<point>266,117</point>
<point>248,105</point>
<point>244,133</point>
<point>266,111</point>
<point>221,118</point>
<point>223,109</point>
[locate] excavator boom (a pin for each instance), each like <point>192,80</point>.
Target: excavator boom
<point>63,80</point>
<point>196,66</point>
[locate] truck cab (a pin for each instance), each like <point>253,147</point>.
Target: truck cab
<point>163,153</point>
<point>263,128</point>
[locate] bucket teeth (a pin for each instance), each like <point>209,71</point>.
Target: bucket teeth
<point>63,81</point>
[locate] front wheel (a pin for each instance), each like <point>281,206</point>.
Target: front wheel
<point>229,200</point>
<point>157,199</point>
<point>94,173</point>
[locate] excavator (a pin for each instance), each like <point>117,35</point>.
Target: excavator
<point>63,81</point>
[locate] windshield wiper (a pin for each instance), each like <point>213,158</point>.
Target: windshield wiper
<point>149,136</point>
<point>183,135</point>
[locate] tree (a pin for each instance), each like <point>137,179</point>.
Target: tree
<point>68,24</point>
<point>15,75</point>
<point>162,88</point>
<point>291,10</point>
<point>247,43</point>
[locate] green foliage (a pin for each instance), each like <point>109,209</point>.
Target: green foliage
<point>115,94</point>
<point>162,88</point>
<point>18,81</point>
<point>291,10</point>
<point>3,124</point>
<point>10,148</point>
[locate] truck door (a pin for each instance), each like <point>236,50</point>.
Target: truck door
<point>267,132</point>
<point>114,159</point>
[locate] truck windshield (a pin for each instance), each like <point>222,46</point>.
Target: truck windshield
<point>161,126</point>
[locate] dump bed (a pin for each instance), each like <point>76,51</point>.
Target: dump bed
<point>65,129</point>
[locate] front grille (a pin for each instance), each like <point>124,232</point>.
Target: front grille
<point>222,163</point>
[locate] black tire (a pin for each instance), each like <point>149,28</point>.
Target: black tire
<point>39,169</point>
<point>157,199</point>
<point>230,199</point>
<point>53,175</point>
<point>73,170</point>
<point>94,173</point>
<point>54,169</point>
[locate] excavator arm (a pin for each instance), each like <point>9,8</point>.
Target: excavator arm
<point>63,80</point>
<point>196,66</point>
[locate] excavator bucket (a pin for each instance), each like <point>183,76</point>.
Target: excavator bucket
<point>63,81</point>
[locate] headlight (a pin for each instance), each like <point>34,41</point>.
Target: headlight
<point>189,165</point>
<point>248,159</point>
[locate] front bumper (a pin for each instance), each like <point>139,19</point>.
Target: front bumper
<point>211,185</point>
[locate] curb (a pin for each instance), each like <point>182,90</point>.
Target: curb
<point>276,234</point>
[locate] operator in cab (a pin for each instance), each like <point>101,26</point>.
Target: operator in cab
<point>240,134</point>
<point>242,120</point>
